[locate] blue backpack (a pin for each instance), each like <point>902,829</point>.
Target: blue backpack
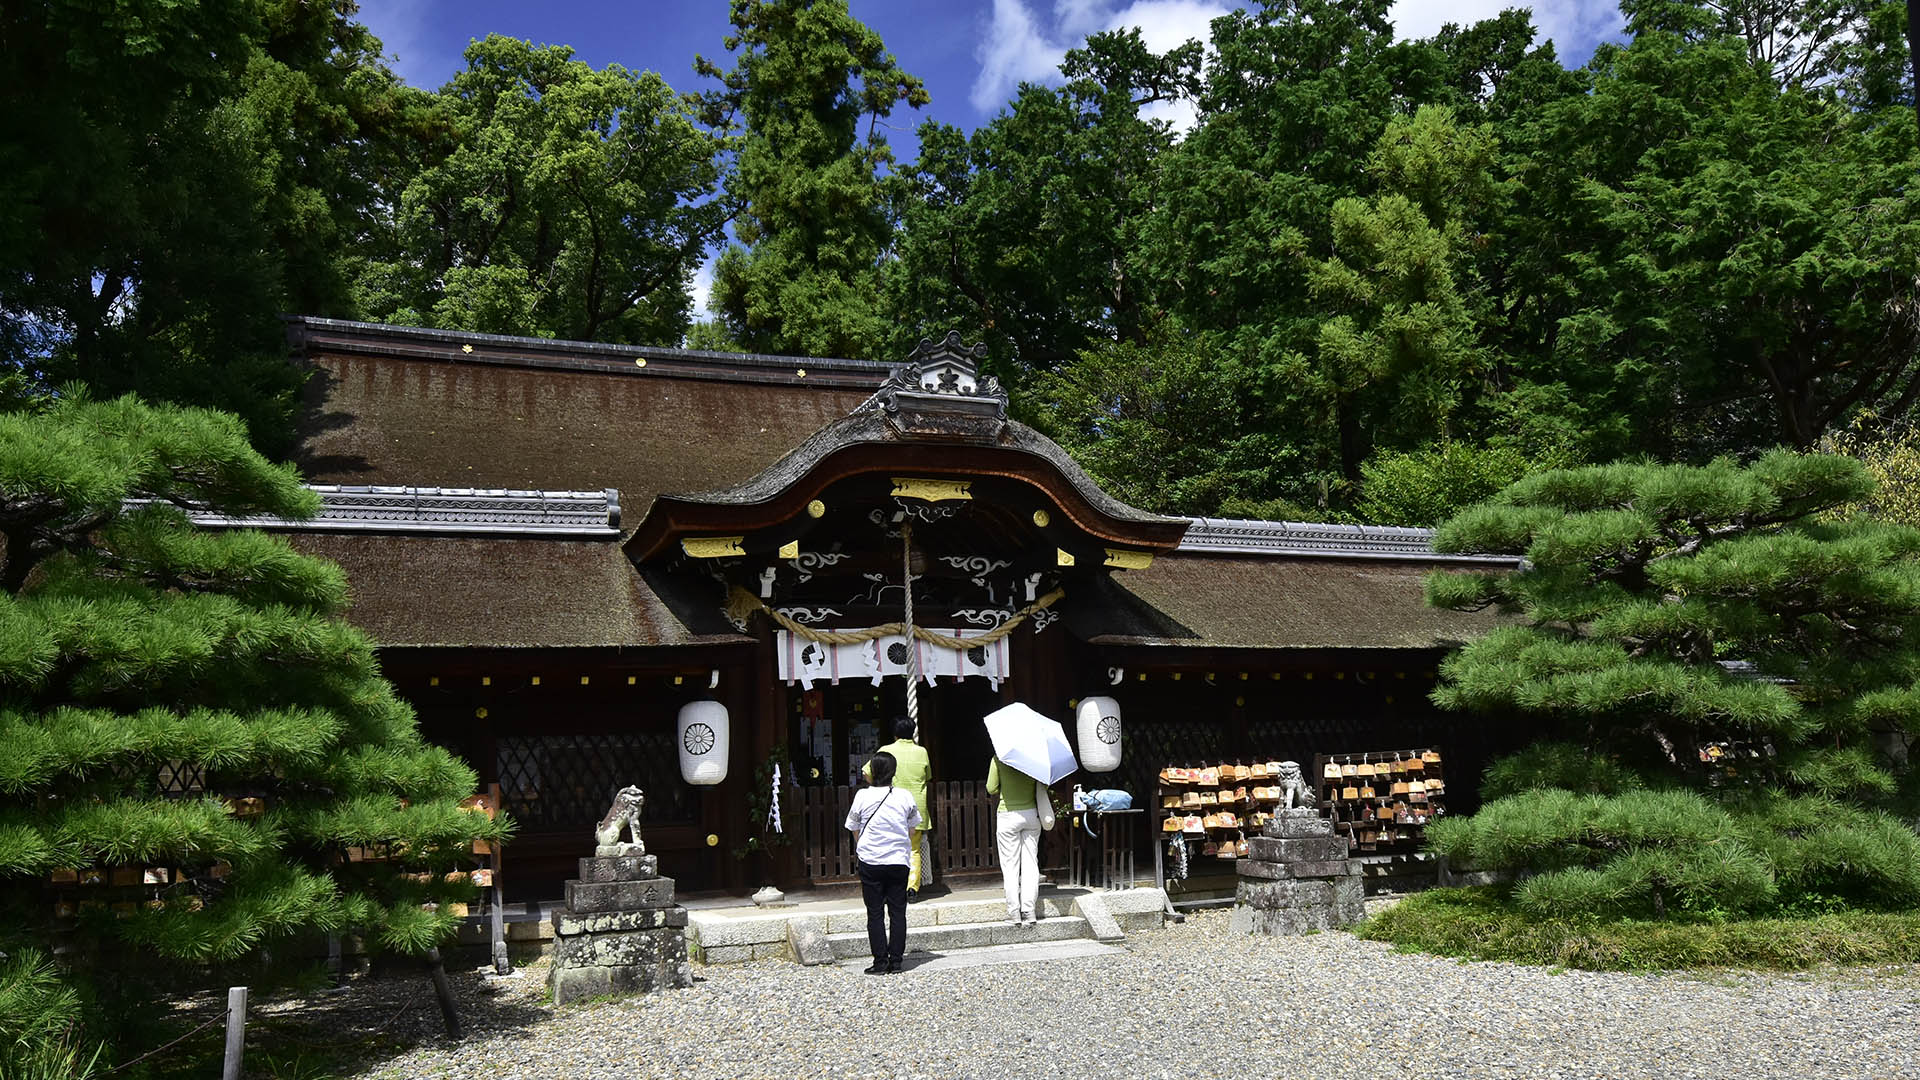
<point>1105,799</point>
<point>1088,803</point>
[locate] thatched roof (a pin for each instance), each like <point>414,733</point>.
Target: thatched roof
<point>398,406</point>
<point>1267,602</point>
<point>426,411</point>
<point>491,593</point>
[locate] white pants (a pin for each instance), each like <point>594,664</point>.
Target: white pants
<point>1019,836</point>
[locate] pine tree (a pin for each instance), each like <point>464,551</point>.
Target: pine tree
<point>1731,676</point>
<point>197,755</point>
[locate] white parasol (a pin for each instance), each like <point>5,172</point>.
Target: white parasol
<point>1028,741</point>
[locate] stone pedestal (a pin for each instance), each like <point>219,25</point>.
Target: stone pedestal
<point>1297,878</point>
<point>620,932</point>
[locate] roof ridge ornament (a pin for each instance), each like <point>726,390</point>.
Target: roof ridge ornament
<point>940,392</point>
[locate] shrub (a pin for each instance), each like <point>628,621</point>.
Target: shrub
<point>1482,924</point>
<point>1826,854</point>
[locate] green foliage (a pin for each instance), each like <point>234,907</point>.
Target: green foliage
<point>554,201</point>
<point>1641,579</point>
<point>40,1036</point>
<point>187,705</point>
<point>1024,234</point>
<point>1725,228</point>
<point>1641,582</point>
<point>1658,854</point>
<point>1426,487</point>
<point>172,178</point>
<point>1415,264</point>
<point>1401,341</point>
<point>1480,924</point>
<point>814,216</point>
<point>1699,880</point>
<point>1558,765</point>
<point>1891,454</point>
<point>710,337</point>
<point>1151,422</point>
<point>1826,854</point>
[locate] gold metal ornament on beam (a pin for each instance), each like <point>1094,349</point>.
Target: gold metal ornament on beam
<point>712,547</point>
<point>1122,559</point>
<point>1063,557</point>
<point>908,487</point>
<point>790,550</point>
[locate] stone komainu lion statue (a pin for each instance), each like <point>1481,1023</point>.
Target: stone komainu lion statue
<point>625,811</point>
<point>1294,790</point>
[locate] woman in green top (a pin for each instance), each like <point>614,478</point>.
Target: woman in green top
<point>1018,830</point>
<point>914,776</point>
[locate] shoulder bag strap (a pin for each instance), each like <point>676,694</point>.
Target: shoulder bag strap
<point>876,809</point>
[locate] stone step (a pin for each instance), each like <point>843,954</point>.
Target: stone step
<point>946,937</point>
<point>1027,952</point>
<point>728,936</point>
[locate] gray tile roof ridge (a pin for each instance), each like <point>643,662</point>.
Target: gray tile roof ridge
<point>1249,536</point>
<point>300,325</point>
<point>445,511</point>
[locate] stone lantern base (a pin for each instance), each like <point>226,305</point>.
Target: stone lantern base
<point>1297,878</point>
<point>620,932</point>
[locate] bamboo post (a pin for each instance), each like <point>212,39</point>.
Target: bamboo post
<point>236,1032</point>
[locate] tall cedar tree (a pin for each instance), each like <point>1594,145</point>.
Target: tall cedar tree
<point>185,709</point>
<point>1021,235</point>
<point>814,210</point>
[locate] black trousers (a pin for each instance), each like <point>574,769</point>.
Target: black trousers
<point>884,888</point>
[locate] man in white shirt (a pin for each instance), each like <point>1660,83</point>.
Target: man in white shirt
<point>883,819</point>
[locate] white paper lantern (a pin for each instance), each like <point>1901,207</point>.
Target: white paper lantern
<point>1099,722</point>
<point>703,742</point>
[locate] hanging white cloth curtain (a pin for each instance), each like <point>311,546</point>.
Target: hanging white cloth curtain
<point>804,661</point>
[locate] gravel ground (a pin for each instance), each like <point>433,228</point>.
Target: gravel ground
<point>1181,1003</point>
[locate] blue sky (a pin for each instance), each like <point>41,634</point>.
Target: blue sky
<point>972,54</point>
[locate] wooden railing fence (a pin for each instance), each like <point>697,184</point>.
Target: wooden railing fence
<point>963,829</point>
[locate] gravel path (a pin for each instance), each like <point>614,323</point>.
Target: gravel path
<point>1182,1003</point>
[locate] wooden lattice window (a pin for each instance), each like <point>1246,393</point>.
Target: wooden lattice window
<point>567,781</point>
<point>178,779</point>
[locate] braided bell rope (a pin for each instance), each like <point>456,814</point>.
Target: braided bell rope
<point>913,654</point>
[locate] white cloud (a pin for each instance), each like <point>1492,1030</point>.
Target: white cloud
<point>703,287</point>
<point>1025,45</point>
<point>1575,26</point>
<point>1025,40</point>
<point>1015,51</point>
<point>1169,24</point>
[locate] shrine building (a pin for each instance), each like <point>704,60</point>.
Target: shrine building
<point>560,545</point>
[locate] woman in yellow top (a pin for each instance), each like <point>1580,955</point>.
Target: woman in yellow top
<point>914,775</point>
<point>1018,831</point>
